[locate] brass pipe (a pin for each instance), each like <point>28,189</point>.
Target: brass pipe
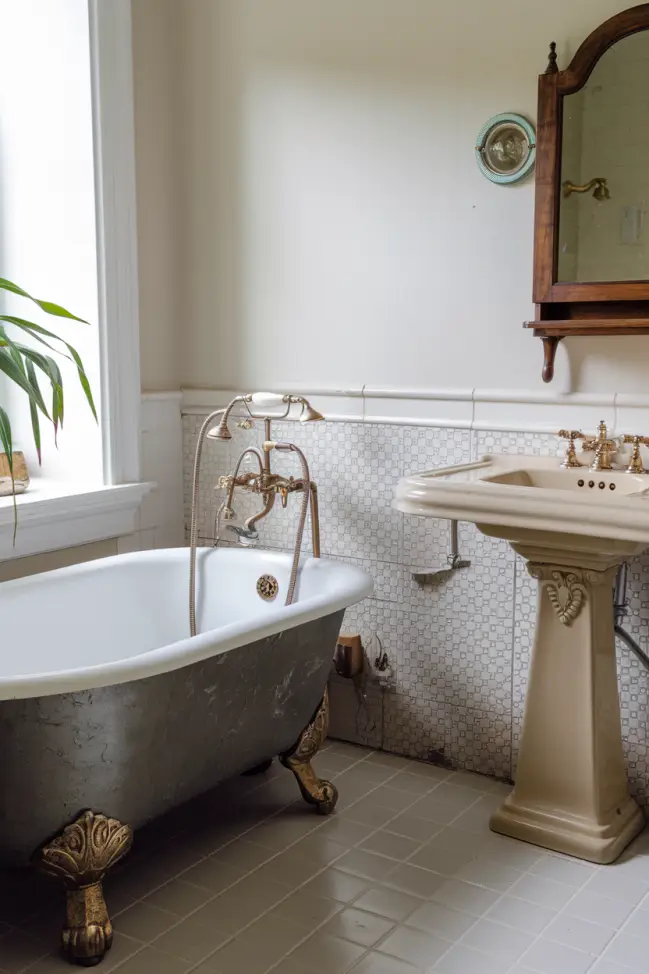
<point>256,453</point>
<point>315,520</point>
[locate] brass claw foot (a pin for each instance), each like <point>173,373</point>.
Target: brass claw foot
<point>81,856</point>
<point>323,794</point>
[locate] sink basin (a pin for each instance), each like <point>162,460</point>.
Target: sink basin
<point>574,527</point>
<point>534,493</point>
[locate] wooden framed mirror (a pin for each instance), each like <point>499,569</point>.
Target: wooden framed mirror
<point>591,224</point>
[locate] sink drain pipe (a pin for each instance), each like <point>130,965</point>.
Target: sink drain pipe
<point>620,612</point>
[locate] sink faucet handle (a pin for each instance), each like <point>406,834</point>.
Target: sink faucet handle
<point>570,459</point>
<point>635,463</point>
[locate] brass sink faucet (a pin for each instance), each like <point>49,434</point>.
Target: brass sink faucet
<point>603,447</point>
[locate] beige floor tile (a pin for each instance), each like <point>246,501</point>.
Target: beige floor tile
<point>493,875</point>
<point>144,922</point>
<point>390,797</point>
<point>270,892</point>
<point>362,891</point>
<point>327,955</point>
<point>430,770</point>
<point>231,911</point>
<point>290,966</point>
<point>365,864</point>
<point>243,854</point>
<point>374,963</point>
<point>367,813</point>
<point>389,903</point>
<point>342,830</point>
<point>391,760</point>
<point>288,867</point>
<point>356,751</point>
<point>282,831</point>
<point>307,909</point>
<point>371,775</point>
<point>438,919</point>
<point>328,761</point>
<point>358,926</point>
<point>213,875</point>
<point>207,967</point>
<point>416,785</point>
<point>18,951</point>
<point>389,844</point>
<point>320,848</point>
<point>263,943</point>
<point>179,897</point>
<point>465,897</point>
<point>150,961</point>
<point>414,828</point>
<point>493,938</point>
<point>191,940</point>
<point>336,885</point>
<point>412,879</point>
<point>477,782</point>
<point>522,915</point>
<point>414,946</point>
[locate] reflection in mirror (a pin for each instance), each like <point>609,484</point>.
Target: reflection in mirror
<point>603,234</point>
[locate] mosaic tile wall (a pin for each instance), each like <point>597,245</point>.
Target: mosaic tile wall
<point>459,651</point>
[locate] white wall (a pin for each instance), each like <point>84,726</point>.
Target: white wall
<point>333,228</point>
<point>47,205</point>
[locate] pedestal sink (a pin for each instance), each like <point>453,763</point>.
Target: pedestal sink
<point>574,527</point>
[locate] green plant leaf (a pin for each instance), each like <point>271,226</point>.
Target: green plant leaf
<point>36,426</point>
<point>7,445</point>
<point>11,370</point>
<point>17,351</point>
<point>36,331</point>
<point>47,306</point>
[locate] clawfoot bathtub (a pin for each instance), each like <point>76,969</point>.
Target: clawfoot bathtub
<point>110,714</point>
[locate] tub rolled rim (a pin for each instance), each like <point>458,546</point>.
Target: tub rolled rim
<point>354,585</point>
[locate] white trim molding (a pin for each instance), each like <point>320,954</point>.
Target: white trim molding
<point>505,410</point>
<point>114,134</point>
<point>51,517</point>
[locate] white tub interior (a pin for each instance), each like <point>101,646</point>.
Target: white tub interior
<point>126,608</point>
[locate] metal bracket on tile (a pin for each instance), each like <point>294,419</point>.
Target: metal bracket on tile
<point>454,562</point>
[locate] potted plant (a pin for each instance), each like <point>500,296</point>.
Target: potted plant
<point>22,364</point>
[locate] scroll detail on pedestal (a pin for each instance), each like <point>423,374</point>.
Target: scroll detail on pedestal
<point>568,588</point>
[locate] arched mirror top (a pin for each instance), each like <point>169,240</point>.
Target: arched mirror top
<point>614,29</point>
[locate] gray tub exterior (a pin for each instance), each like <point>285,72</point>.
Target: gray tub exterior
<point>136,750</point>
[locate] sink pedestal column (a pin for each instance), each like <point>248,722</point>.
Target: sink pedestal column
<point>571,788</point>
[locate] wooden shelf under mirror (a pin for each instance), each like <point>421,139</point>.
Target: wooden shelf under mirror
<point>591,261</point>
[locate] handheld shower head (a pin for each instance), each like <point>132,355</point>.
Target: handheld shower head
<point>245,535</point>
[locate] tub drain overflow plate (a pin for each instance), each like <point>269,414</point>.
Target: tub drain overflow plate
<point>267,587</point>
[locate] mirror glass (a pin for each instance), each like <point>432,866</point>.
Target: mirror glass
<point>603,218</point>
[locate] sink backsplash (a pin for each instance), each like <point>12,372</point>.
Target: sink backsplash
<point>459,652</point>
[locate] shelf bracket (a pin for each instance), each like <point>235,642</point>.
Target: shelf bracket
<point>549,351</point>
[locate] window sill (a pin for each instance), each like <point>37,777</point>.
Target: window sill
<point>53,515</point>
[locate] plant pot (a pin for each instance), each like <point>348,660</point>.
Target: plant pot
<point>21,477</point>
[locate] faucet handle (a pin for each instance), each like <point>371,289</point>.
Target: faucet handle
<point>635,463</point>
<point>570,459</point>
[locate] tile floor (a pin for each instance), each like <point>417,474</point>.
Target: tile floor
<point>405,878</point>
